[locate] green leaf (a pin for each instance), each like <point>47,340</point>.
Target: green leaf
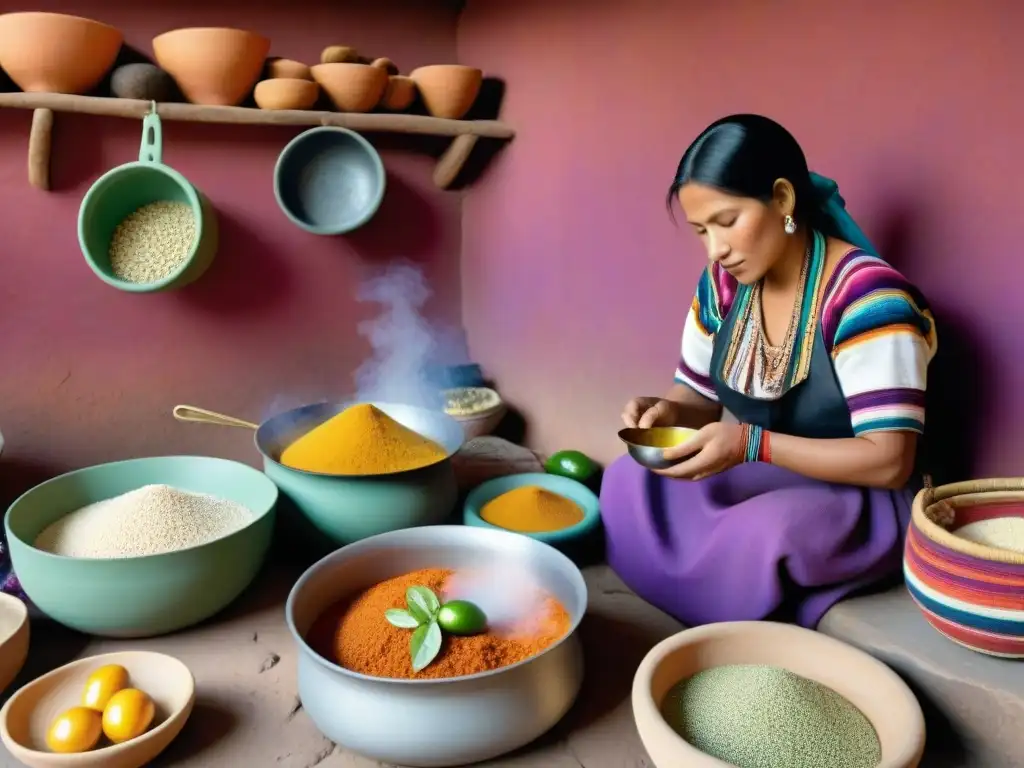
<point>423,604</point>
<point>400,618</point>
<point>425,645</point>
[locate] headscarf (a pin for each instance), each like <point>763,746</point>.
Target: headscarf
<point>833,209</point>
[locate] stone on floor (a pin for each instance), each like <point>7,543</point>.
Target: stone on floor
<point>974,704</point>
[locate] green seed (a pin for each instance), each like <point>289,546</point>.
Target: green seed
<point>756,716</point>
<point>571,464</point>
<point>461,617</point>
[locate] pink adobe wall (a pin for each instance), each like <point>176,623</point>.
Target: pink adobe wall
<point>575,282</point>
<point>89,374</point>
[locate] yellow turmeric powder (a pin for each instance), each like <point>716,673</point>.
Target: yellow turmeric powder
<point>361,440</point>
<point>531,509</point>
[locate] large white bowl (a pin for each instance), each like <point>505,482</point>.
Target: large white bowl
<point>446,722</point>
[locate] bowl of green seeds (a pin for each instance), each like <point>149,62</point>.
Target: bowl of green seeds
<point>759,694</point>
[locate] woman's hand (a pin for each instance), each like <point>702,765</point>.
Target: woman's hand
<point>715,448</point>
<point>647,412</point>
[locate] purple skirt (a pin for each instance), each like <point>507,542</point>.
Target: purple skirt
<point>755,542</point>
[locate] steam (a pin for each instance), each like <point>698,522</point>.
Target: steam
<point>402,340</point>
<point>510,598</point>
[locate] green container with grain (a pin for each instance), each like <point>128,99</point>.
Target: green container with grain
<point>180,225</point>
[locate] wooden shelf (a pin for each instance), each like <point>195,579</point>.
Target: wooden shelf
<point>464,133</point>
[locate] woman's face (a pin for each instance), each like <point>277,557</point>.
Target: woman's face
<point>743,234</point>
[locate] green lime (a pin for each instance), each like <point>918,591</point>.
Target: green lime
<point>571,464</point>
<point>461,617</point>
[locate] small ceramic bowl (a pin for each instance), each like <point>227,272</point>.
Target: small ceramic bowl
<point>563,486</point>
<point>482,422</point>
<point>647,446</point>
<point>14,635</point>
<point>27,715</point>
<point>286,93</point>
<point>865,682</point>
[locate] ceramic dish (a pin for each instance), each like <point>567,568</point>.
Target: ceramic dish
<point>481,422</point>
<point>866,683</point>
<point>27,715</point>
<point>647,446</point>
<point>14,637</point>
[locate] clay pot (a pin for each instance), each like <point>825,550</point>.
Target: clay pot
<point>142,81</point>
<point>399,94</point>
<point>212,65</point>
<point>339,54</point>
<point>287,68</point>
<point>448,90</point>
<point>352,87</point>
<point>385,63</point>
<point>286,93</point>
<point>55,53</point>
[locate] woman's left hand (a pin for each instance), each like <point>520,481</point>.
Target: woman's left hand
<point>715,448</point>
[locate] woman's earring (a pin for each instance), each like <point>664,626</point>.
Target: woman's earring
<point>789,225</point>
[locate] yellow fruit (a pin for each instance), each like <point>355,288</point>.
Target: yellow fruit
<point>128,714</point>
<point>102,684</point>
<point>77,730</point>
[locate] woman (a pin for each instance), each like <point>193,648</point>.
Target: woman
<point>819,350</point>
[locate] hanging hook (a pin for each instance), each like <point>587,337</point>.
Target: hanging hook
<point>152,107</point>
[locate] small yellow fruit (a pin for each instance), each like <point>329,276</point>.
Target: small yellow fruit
<point>102,684</point>
<point>128,714</point>
<point>76,730</point>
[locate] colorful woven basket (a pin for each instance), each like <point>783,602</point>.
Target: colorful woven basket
<point>970,592</point>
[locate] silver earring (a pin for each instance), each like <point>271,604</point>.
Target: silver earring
<point>789,224</point>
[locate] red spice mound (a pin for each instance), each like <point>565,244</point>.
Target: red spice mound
<point>355,635</point>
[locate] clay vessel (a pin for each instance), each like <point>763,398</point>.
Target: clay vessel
<point>55,53</point>
<point>448,90</point>
<point>399,94</point>
<point>287,68</point>
<point>387,64</point>
<point>352,87</point>
<point>286,93</point>
<point>212,65</point>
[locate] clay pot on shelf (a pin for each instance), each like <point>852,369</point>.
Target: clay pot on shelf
<point>287,68</point>
<point>55,53</point>
<point>339,54</point>
<point>286,93</point>
<point>399,94</point>
<point>385,63</point>
<point>212,65</point>
<point>448,90</point>
<point>352,87</point>
<point>143,81</point>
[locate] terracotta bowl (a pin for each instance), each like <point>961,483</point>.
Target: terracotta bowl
<point>55,53</point>
<point>448,90</point>
<point>971,592</point>
<point>212,65</point>
<point>287,68</point>
<point>352,87</point>
<point>868,684</point>
<point>399,94</point>
<point>286,93</point>
<point>14,636</point>
<point>27,715</point>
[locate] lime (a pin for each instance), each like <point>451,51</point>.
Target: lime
<point>461,617</point>
<point>571,464</point>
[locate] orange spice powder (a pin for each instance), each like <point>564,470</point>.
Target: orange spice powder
<point>355,635</point>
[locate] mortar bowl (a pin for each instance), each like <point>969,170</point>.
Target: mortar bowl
<point>481,716</point>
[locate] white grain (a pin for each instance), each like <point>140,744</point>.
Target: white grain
<point>152,242</point>
<point>1000,532</point>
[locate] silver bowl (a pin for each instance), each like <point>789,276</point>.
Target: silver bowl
<point>446,722</point>
<point>647,446</point>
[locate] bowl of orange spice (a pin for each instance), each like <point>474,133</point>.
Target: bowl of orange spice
<point>460,639</point>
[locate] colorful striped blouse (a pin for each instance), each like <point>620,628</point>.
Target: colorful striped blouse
<point>877,329</point>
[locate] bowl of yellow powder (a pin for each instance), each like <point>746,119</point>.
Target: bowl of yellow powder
<point>550,508</point>
<point>360,469</point>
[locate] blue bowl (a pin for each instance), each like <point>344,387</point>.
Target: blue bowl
<point>329,180</point>
<point>563,486</point>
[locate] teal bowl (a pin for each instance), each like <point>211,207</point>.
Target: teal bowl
<point>563,486</point>
<point>141,596</point>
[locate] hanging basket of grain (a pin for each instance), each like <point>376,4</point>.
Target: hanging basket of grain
<point>964,563</point>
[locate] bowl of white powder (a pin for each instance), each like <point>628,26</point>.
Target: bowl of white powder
<point>142,547</point>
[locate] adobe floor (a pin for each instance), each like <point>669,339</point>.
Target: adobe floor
<point>247,713</point>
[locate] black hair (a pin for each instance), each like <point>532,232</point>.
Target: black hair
<point>744,155</point>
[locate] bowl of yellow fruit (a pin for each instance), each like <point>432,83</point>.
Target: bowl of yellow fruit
<point>117,709</point>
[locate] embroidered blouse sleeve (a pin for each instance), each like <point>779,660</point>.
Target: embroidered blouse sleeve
<point>702,323</point>
<point>881,336</point>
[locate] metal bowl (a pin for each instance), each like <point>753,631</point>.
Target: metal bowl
<point>447,722</point>
<point>647,446</point>
<point>329,181</point>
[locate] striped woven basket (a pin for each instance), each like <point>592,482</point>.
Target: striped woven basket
<point>970,592</point>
